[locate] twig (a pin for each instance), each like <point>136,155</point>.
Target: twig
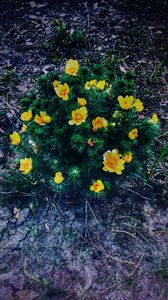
<point>136,193</point>
<point>82,237</point>
<point>142,236</point>
<point>88,23</point>
<point>93,213</point>
<point>115,258</point>
<point>119,284</point>
<point>160,136</point>
<point>136,228</point>
<point>124,231</point>
<point>124,217</point>
<point>142,256</point>
<point>122,261</point>
<point>34,278</point>
<point>20,193</point>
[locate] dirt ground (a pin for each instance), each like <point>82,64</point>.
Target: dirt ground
<point>114,249</point>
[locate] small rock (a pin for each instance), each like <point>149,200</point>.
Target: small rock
<point>46,69</point>
<point>17,238</point>
<point>3,267</point>
<point>29,43</point>
<point>95,6</point>
<point>10,116</point>
<point>32,17</point>
<point>11,231</point>
<point>5,276</point>
<point>5,213</point>
<point>22,88</point>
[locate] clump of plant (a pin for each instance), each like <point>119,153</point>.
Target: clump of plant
<point>159,171</point>
<point>83,132</point>
<point>7,79</point>
<point>64,38</point>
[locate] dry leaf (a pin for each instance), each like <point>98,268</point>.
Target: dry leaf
<point>47,227</point>
<point>122,69</point>
<point>17,213</point>
<point>32,4</point>
<point>142,61</point>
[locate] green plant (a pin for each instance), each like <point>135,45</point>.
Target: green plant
<point>82,133</point>
<point>156,74</point>
<point>159,169</point>
<point>64,37</point>
<point>8,77</point>
<point>162,155</point>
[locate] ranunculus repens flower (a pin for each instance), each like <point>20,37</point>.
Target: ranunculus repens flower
<point>72,67</point>
<point>26,165</point>
<point>78,116</point>
<point>113,162</point>
<point>99,123</point>
<point>58,178</point>
<point>97,186</point>
<point>15,138</point>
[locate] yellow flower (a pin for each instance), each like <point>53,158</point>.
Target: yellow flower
<point>126,103</point>
<point>43,119</point>
<point>101,85</point>
<point>99,123</point>
<point>26,165</point>
<point>117,114</point>
<point>15,138</point>
<point>87,85</point>
<point>58,177</point>
<point>128,157</point>
<point>82,101</point>
<point>133,134</point>
<point>24,128</point>
<point>91,83</point>
<point>97,186</point>
<point>113,162</point>
<point>62,91</point>
<point>55,83</point>
<point>138,104</point>
<point>154,119</point>
<point>78,116</point>
<point>26,116</point>
<point>113,124</point>
<point>72,67</point>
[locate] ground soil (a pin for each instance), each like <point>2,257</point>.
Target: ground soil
<point>108,250</point>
